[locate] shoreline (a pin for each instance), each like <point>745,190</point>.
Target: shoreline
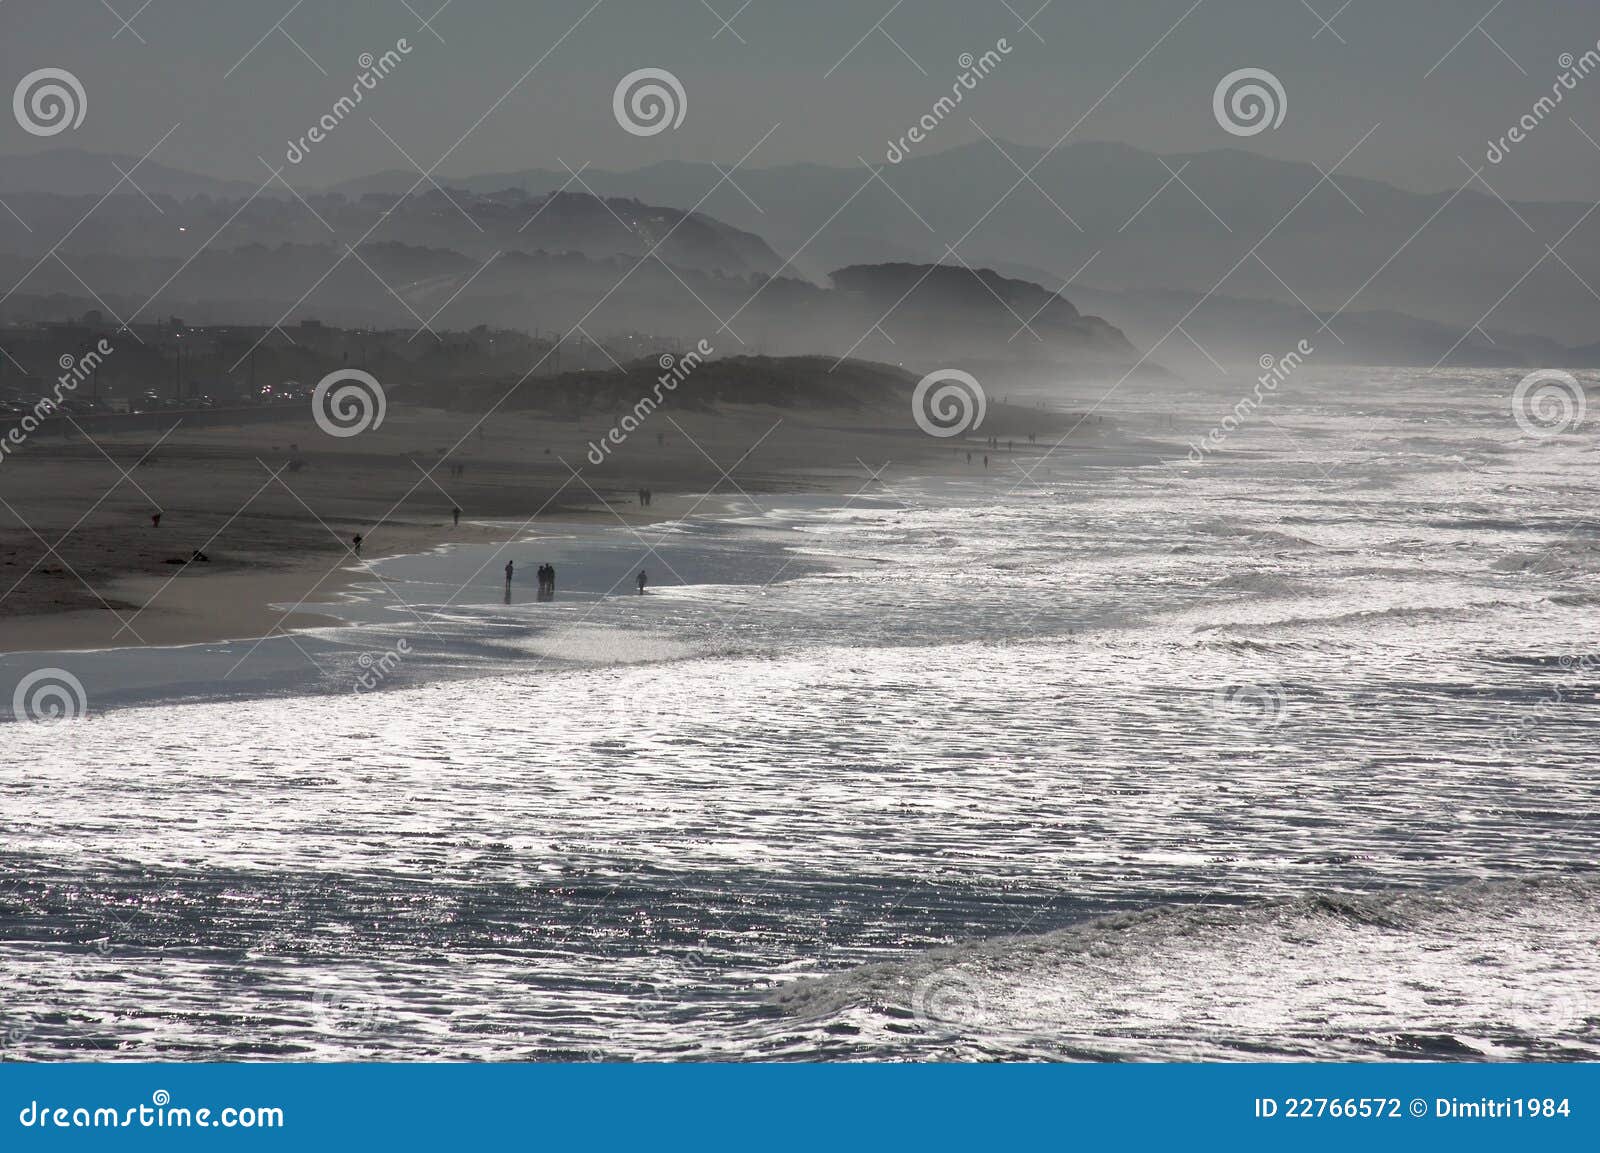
<point>280,540</point>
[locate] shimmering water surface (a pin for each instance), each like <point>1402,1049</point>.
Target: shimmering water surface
<point>1288,751</point>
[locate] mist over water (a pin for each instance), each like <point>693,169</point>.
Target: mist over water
<point>1284,753</point>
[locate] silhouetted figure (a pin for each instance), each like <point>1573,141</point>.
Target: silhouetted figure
<point>985,460</point>
<point>510,568</point>
<point>155,520</point>
<point>551,588</point>
<point>643,580</point>
<point>455,515</point>
<point>969,456</point>
<point>356,542</point>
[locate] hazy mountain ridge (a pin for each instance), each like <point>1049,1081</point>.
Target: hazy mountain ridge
<point>1146,280</point>
<point>953,317</point>
<point>1327,239</point>
<point>477,226</point>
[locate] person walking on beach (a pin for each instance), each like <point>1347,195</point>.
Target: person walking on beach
<point>455,515</point>
<point>643,580</point>
<point>550,571</point>
<point>356,542</point>
<point>510,568</point>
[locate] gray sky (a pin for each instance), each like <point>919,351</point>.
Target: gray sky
<point>804,65</point>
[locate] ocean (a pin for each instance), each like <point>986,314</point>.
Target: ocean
<point>1124,751</point>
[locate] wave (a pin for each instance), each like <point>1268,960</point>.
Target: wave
<point>604,645</point>
<point>1399,614</point>
<point>1502,970</point>
<point>1263,584</point>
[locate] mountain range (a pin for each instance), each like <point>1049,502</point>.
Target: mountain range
<point>1221,255</point>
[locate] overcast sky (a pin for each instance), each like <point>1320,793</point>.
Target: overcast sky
<point>816,68</point>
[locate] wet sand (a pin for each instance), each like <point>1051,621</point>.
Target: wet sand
<point>83,565</point>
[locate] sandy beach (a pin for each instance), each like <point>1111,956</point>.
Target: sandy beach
<point>274,507</point>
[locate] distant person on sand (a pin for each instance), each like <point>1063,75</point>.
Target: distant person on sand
<point>510,568</point>
<point>356,542</point>
<point>455,514</point>
<point>985,460</point>
<point>155,520</point>
<point>551,588</point>
<point>643,580</point>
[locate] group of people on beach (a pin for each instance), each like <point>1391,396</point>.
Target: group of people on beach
<point>547,580</point>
